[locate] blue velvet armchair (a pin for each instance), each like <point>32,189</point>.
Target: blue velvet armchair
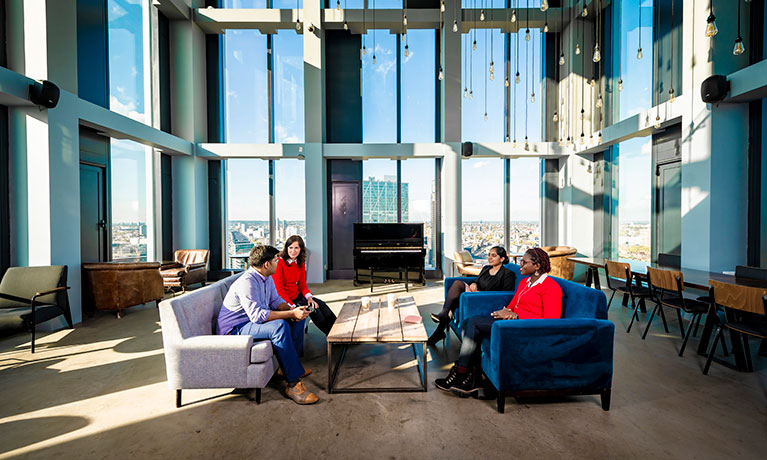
<point>568,356</point>
<point>480,302</point>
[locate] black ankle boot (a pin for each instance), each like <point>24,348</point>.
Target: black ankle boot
<point>439,318</point>
<point>447,383</point>
<point>437,335</point>
<point>465,385</point>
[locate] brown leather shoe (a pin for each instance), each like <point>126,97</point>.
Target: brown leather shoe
<point>307,371</point>
<point>300,394</point>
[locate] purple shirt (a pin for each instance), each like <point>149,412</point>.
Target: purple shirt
<point>250,298</point>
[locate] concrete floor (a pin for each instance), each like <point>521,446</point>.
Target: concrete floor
<point>99,391</point>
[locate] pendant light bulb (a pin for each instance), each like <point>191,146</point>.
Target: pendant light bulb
<point>298,25</point>
<point>597,55</point>
<point>492,68</point>
<point>555,118</point>
<point>404,19</point>
<point>577,48</point>
<point>507,138</point>
<point>532,98</point>
<point>441,74</point>
<point>374,58</point>
<point>482,15</point>
<point>561,143</point>
<point>475,45</point>
<point>544,5</point>
<point>620,84</point>
<point>671,97</point>
<point>513,15</point>
<point>506,81</point>
<point>562,59</point>
<point>739,48</point>
<point>657,121</point>
<point>568,142</point>
<point>485,116</point>
<point>517,79</point>
<point>593,82</point>
<point>465,92</point>
<point>346,26</point>
<point>583,138</point>
<point>599,102</point>
<point>442,6</point>
<point>639,53</point>
<point>407,51</point>
<point>527,144</point>
<point>455,25</point>
<point>711,28</point>
<point>599,140</point>
<point>546,28</point>
<point>471,95</point>
<point>514,144</point>
<point>585,11</point>
<point>527,35</point>
<point>492,75</point>
<point>364,50</point>
<point>338,5</point>
<point>582,114</point>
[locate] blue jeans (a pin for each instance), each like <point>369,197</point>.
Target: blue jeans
<point>287,339</point>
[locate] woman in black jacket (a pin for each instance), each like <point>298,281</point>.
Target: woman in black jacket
<point>493,277</point>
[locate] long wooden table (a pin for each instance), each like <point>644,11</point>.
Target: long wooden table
<point>693,278</point>
<point>378,324</point>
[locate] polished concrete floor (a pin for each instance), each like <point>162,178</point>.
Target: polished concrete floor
<point>99,391</point>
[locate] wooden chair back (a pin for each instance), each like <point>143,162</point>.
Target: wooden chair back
<point>665,279</point>
<point>618,270</point>
<point>737,297</point>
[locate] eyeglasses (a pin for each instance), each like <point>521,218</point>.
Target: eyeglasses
<point>525,262</point>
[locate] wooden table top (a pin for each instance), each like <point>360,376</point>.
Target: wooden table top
<point>697,279</point>
<point>378,324</point>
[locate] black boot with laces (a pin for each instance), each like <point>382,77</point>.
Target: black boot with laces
<point>466,385</point>
<point>447,383</point>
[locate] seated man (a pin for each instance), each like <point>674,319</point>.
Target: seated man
<point>253,307</point>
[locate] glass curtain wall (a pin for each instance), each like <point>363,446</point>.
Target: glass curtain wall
<point>418,83</point>
<point>632,73</point>
<point>289,200</point>
<point>379,191</point>
<point>129,66</point>
<point>525,205</point>
<point>288,52</point>
<point>634,159</point>
<point>131,221</point>
<point>246,102</point>
<point>482,205</point>
<point>379,87</point>
<point>247,208</point>
<point>419,199</point>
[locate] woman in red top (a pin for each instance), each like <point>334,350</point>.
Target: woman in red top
<point>537,297</point>
<point>290,281</point>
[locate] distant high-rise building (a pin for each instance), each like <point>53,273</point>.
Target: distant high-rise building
<point>379,200</point>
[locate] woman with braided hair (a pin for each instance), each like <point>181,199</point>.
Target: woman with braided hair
<point>537,297</point>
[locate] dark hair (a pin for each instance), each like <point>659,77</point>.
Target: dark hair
<point>301,254</point>
<point>501,251</point>
<point>540,257</point>
<point>261,254</point>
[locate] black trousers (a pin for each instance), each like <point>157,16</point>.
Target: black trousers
<point>451,299</point>
<point>475,331</point>
<point>323,317</point>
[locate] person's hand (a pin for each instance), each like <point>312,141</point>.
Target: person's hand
<point>312,303</point>
<point>299,313</point>
<point>504,313</point>
<point>473,287</point>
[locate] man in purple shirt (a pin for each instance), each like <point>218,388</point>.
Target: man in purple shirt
<point>253,307</point>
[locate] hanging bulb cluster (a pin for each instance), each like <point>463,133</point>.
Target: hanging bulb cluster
<point>544,5</point>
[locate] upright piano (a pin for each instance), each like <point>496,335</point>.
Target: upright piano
<point>389,253</point>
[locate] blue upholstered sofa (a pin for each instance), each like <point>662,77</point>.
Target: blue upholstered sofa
<point>471,301</point>
<point>568,356</point>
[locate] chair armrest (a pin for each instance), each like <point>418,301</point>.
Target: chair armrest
<point>450,280</point>
<point>548,352</point>
<point>482,303</point>
<point>168,265</point>
<point>214,350</point>
<point>58,289</point>
<point>194,266</point>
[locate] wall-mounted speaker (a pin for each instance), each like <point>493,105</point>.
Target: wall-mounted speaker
<point>467,149</point>
<point>714,89</point>
<point>44,93</point>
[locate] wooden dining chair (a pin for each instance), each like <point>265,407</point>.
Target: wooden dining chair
<point>620,279</point>
<point>745,313</point>
<point>668,291</point>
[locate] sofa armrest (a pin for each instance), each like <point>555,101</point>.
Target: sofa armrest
<point>551,353</point>
<point>213,351</point>
<point>482,303</point>
<point>466,279</point>
<point>167,265</point>
<point>191,267</point>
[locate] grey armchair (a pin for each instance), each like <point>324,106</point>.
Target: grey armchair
<point>33,295</point>
<point>196,358</point>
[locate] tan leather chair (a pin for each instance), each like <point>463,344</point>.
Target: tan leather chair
<point>119,285</point>
<point>560,266</point>
<point>190,267</point>
<point>465,264</point>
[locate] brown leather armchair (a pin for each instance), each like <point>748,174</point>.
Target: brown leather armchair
<point>190,267</point>
<point>119,285</point>
<point>560,266</point>
<point>465,264</point>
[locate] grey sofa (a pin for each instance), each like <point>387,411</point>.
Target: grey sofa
<point>196,358</point>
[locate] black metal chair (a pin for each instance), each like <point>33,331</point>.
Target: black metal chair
<point>668,291</point>
<point>620,279</point>
<point>745,313</point>
<point>33,295</point>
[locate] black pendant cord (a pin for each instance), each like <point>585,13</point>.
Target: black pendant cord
<point>514,89</point>
<point>640,23</point>
<point>374,31</point>
<point>583,81</point>
<point>671,37</point>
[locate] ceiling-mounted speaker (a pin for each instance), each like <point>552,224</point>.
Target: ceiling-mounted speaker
<point>714,89</point>
<point>44,93</point>
<point>467,149</point>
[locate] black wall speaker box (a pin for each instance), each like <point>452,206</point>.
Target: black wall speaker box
<point>45,93</point>
<point>467,149</point>
<point>714,88</point>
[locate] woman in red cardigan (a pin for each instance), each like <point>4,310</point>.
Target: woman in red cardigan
<point>537,297</point>
<point>290,281</point>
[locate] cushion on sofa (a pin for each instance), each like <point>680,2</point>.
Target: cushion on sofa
<point>261,351</point>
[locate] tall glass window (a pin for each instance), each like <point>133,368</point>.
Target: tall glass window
<point>246,4</point>
<point>288,52</point>
<point>247,208</point>
<point>635,73</point>
<point>483,96</point>
<point>418,87</point>
<point>245,84</point>
<point>290,199</point>
<point>379,191</point>
<point>130,218</point>
<point>287,4</point>
<point>634,198</point>
<point>379,88</point>
<point>129,71</point>
<point>525,205</point>
<point>482,205</point>
<point>418,190</point>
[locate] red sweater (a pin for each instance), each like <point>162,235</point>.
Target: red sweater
<point>290,280</point>
<point>542,300</point>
